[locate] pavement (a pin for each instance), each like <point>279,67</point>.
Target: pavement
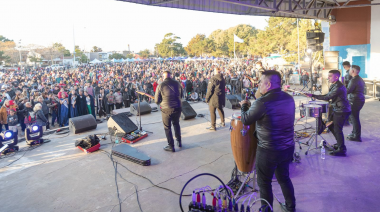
<point>59,177</point>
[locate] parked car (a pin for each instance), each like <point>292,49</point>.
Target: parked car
<point>56,66</point>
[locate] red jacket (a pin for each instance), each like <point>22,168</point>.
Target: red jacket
<point>155,84</point>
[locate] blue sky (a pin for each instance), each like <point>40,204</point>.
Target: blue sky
<point>108,24</point>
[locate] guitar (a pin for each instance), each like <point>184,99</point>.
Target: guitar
<point>145,94</point>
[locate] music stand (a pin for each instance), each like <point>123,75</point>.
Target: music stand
<point>315,134</point>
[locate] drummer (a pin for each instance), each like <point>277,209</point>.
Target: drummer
<point>274,114</point>
<point>341,110</point>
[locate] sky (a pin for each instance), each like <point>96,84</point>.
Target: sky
<point>108,24</point>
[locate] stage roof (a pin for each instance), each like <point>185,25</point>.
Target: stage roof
<point>314,9</point>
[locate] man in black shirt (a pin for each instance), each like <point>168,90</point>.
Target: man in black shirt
<point>216,97</point>
<point>347,76</point>
<point>168,96</point>
<point>355,91</point>
<point>341,110</point>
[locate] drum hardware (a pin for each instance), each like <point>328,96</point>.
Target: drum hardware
<point>314,111</point>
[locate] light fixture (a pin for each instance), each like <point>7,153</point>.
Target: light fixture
<point>35,139</point>
<point>308,51</point>
<point>8,142</point>
<point>307,59</point>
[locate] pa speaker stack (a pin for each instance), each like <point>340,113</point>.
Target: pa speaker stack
<point>232,101</point>
<point>121,124</point>
<point>82,123</point>
<point>187,111</point>
<point>144,108</point>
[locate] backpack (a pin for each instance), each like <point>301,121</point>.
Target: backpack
<point>30,118</point>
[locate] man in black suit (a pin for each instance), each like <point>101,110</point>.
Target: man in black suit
<point>216,97</point>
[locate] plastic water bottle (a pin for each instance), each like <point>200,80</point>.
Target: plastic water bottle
<point>117,140</point>
<point>323,152</point>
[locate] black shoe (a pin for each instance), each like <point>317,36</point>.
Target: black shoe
<point>351,135</point>
<point>211,128</point>
<point>169,148</point>
<point>283,208</point>
<point>179,143</point>
<point>351,138</point>
<point>332,148</point>
<point>339,152</point>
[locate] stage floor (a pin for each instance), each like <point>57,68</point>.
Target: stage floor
<point>59,177</point>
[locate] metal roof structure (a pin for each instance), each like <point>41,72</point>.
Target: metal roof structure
<point>312,9</point>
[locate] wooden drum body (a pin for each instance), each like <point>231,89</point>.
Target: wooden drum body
<point>243,144</point>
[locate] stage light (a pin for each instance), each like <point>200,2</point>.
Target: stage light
<point>307,59</point>
<point>8,134</point>
<point>35,128</point>
<point>309,51</point>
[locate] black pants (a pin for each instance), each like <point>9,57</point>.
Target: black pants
<point>47,123</point>
<point>126,103</point>
<point>213,114</point>
<point>337,127</point>
<point>119,105</point>
<point>270,162</point>
<point>354,118</point>
<point>5,125</point>
<point>110,108</point>
<point>170,116</point>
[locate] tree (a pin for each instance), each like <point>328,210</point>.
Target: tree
<point>35,59</point>
<point>116,56</point>
<point>96,49</point>
<point>169,47</point>
<point>83,58</point>
<point>59,47</point>
<point>4,39</point>
<point>144,53</point>
<point>3,57</point>
<point>129,56</point>
<point>195,44</point>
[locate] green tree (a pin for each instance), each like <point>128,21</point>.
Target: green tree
<point>35,59</point>
<point>130,56</point>
<point>4,39</point>
<point>83,58</point>
<point>195,44</point>
<point>144,53</point>
<point>169,47</point>
<point>96,49</point>
<point>3,57</point>
<point>59,47</point>
<point>116,56</point>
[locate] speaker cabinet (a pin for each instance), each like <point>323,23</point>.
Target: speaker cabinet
<point>82,123</point>
<point>232,101</point>
<point>187,111</point>
<point>144,107</point>
<point>121,124</point>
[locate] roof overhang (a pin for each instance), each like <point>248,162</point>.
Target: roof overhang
<point>312,9</point>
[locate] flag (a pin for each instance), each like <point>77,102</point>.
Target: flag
<point>237,39</point>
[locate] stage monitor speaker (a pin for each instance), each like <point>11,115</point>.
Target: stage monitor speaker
<point>144,107</point>
<point>121,124</point>
<point>231,101</point>
<point>82,123</point>
<point>187,111</point>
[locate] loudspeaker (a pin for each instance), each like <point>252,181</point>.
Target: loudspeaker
<point>187,111</point>
<point>144,107</point>
<point>331,63</point>
<point>82,123</point>
<point>121,123</point>
<point>232,101</point>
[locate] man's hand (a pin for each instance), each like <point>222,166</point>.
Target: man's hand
<point>245,102</point>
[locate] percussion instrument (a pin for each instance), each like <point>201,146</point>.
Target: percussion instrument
<point>313,110</point>
<point>243,144</point>
<point>323,104</point>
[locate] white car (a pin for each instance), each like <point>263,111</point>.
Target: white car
<point>56,66</point>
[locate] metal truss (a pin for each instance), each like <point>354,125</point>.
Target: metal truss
<point>312,9</point>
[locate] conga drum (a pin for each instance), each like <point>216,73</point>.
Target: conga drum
<point>243,144</point>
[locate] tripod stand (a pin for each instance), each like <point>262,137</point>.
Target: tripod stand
<point>315,134</point>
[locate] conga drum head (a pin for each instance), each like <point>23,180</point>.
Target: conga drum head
<point>323,104</point>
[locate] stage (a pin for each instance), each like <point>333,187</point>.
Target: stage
<point>59,177</point>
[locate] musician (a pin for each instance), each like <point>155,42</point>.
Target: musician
<point>260,71</point>
<point>216,97</point>
<point>341,110</point>
<point>347,76</point>
<point>168,95</point>
<point>355,91</point>
<point>274,114</point>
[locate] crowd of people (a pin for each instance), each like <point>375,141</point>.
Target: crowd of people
<point>49,97</point>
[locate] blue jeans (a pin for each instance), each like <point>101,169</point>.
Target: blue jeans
<point>54,116</point>
<point>305,83</point>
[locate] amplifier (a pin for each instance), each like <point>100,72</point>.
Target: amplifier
<point>129,153</point>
